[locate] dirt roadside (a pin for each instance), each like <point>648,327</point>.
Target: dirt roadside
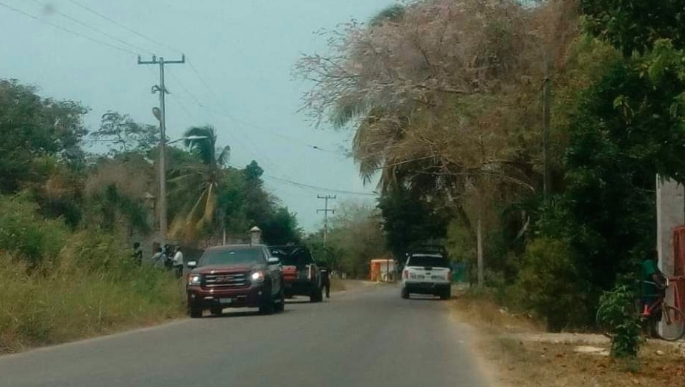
<point>515,351</point>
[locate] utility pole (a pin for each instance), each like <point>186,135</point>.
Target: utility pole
<point>479,241</point>
<point>546,116</point>
<point>161,116</point>
<point>325,211</point>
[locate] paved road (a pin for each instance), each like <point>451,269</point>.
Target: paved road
<point>366,337</point>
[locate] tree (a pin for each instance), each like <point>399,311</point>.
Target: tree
<point>281,228</point>
<point>121,134</point>
<point>444,98</point>
<point>355,237</point>
<point>635,26</point>
<point>33,127</point>
<point>115,191</point>
<point>198,185</point>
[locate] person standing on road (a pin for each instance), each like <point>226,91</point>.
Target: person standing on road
<point>137,254</point>
<point>326,279</point>
<point>178,262</point>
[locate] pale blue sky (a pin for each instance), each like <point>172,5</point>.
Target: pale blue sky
<point>245,51</point>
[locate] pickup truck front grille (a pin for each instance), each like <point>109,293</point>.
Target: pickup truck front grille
<point>233,280</point>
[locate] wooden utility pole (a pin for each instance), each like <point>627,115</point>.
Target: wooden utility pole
<point>161,116</point>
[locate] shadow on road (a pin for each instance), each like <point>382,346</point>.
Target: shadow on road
<point>423,298</point>
<point>240,313</point>
<point>297,301</point>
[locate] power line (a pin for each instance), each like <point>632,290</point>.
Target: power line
<point>183,107</point>
<point>66,29</point>
<point>94,12</point>
<point>314,187</point>
<point>211,91</point>
<point>77,21</point>
<point>332,190</point>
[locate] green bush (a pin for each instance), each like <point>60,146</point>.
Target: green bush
<point>617,313</point>
<point>26,234</point>
<point>551,286</point>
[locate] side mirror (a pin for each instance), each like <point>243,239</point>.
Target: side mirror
<point>191,264</point>
<point>273,261</point>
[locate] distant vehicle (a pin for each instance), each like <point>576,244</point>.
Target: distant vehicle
<point>235,276</point>
<point>427,271</point>
<point>301,274</point>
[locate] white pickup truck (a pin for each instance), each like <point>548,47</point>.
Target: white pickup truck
<point>427,273</point>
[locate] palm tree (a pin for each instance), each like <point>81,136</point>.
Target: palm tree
<point>197,186</point>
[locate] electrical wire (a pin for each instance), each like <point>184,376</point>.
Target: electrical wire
<point>94,12</point>
<point>303,185</point>
<point>79,22</point>
<point>16,10</point>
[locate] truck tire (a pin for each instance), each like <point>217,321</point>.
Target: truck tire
<point>405,293</point>
<point>446,294</point>
<point>194,312</point>
<point>267,305</point>
<point>317,295</point>
<point>216,311</point>
<point>280,305</point>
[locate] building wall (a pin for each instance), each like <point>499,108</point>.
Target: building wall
<point>670,204</point>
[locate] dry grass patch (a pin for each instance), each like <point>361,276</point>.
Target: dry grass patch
<point>515,347</point>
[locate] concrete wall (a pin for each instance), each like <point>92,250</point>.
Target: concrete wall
<point>670,204</point>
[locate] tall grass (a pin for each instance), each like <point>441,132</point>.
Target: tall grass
<point>89,287</point>
<point>40,308</point>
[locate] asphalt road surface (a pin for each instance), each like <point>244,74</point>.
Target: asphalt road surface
<point>364,337</point>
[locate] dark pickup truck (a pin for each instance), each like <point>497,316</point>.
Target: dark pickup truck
<point>235,276</point>
<point>301,275</point>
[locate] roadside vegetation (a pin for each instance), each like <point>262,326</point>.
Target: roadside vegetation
<point>520,353</point>
<point>525,133</point>
<point>73,202</point>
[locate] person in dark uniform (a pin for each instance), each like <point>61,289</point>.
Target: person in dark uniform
<point>137,253</point>
<point>326,279</point>
<point>168,254</point>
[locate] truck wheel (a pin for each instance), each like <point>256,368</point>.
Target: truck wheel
<point>194,312</point>
<point>317,295</point>
<point>446,294</point>
<point>216,311</point>
<point>405,293</point>
<point>280,305</point>
<point>267,306</point>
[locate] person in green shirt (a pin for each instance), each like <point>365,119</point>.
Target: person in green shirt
<point>653,286</point>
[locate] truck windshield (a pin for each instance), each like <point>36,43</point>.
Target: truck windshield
<point>232,257</point>
<point>428,261</point>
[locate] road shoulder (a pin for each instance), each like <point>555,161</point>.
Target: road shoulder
<point>515,351</point>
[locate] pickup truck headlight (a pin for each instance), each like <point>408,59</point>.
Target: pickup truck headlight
<point>194,279</point>
<point>257,276</point>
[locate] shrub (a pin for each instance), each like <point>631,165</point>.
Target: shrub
<point>550,284</point>
<point>617,313</point>
<point>26,234</point>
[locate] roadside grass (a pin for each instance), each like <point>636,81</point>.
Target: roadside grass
<point>512,346</point>
<point>337,284</point>
<point>61,303</point>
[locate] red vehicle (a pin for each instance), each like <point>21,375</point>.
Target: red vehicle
<point>301,275</point>
<point>235,276</point>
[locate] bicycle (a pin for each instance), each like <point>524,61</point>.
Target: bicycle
<point>672,319</point>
